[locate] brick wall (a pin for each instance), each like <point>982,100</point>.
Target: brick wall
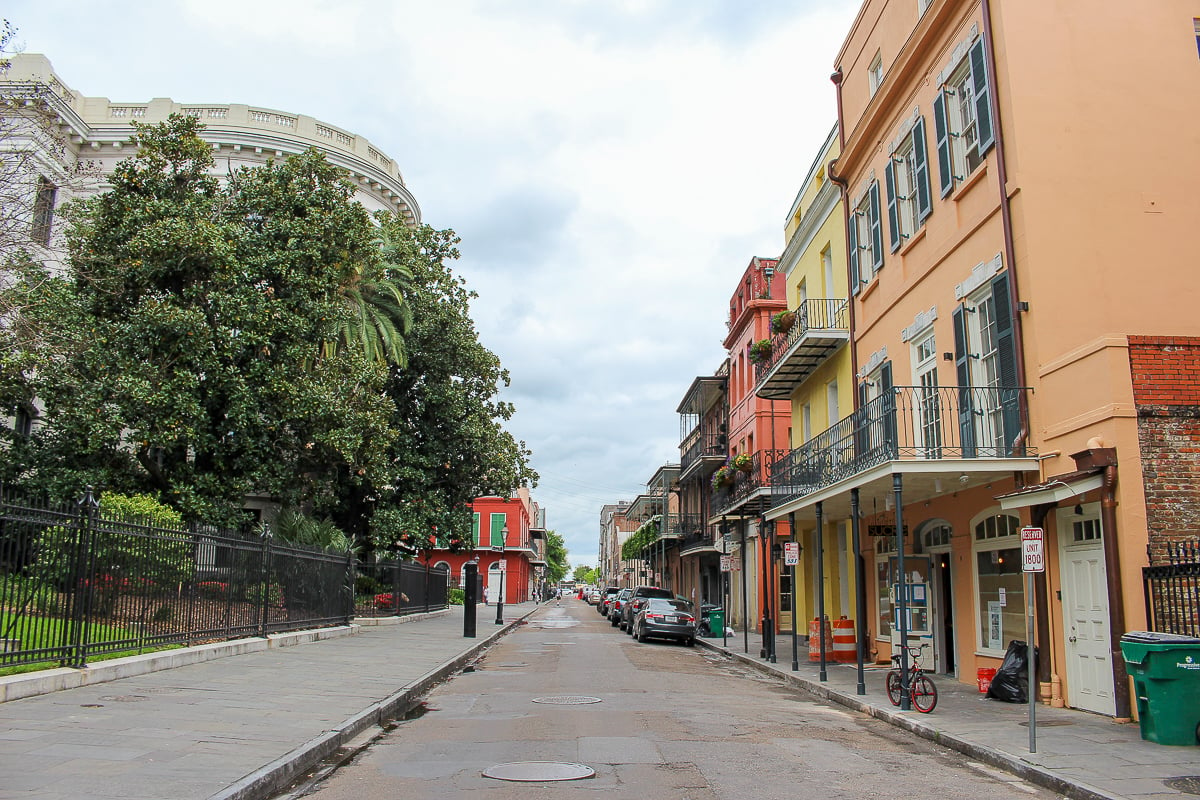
<point>1166,388</point>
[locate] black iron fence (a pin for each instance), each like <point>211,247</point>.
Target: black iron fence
<point>811,315</point>
<point>753,479</point>
<point>391,588</point>
<point>1173,590</point>
<point>906,423</point>
<point>77,583</point>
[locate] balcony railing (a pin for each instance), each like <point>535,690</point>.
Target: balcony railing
<point>820,328</point>
<point>709,444</point>
<point>756,480</point>
<point>906,423</point>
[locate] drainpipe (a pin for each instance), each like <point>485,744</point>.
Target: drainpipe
<point>1116,603</point>
<point>845,187</point>
<point>1006,223</point>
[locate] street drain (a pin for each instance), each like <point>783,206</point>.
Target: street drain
<point>567,700</point>
<point>123,698</point>
<point>533,771</point>
<point>1189,784</point>
<point>1048,723</point>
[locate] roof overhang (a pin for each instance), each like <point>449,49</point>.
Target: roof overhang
<point>1053,491</point>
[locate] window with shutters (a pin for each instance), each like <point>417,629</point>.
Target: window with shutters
<point>962,117</point>
<point>43,212</point>
<point>907,180</point>
<point>928,399</point>
<point>985,357</point>
<point>866,239</point>
<point>875,74</point>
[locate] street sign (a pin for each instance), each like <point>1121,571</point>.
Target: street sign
<point>503,564</point>
<point>726,563</point>
<point>497,548</point>
<point>1033,551</point>
<point>791,553</point>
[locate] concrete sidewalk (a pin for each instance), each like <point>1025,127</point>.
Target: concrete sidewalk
<point>1078,754</point>
<point>227,727</point>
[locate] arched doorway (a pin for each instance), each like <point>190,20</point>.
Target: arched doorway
<point>933,540</point>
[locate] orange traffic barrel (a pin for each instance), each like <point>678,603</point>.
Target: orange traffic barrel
<point>814,640</point>
<point>845,649</point>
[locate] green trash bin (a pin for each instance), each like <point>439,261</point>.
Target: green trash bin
<point>1165,669</point>
<point>716,623</point>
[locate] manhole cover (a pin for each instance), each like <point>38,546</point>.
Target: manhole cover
<point>539,771</point>
<point>567,700</point>
<point>1189,784</point>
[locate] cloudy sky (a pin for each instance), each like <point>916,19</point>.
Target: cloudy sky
<point>610,165</point>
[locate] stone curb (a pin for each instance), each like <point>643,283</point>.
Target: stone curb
<point>1022,769</point>
<point>31,684</point>
<point>272,778</point>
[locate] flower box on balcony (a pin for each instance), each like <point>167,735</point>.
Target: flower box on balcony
<point>760,351</point>
<point>783,321</point>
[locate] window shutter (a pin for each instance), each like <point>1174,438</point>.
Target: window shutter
<point>862,423</point>
<point>966,416</point>
<point>942,131</point>
<point>852,234</point>
<point>496,531</point>
<point>983,105</point>
<point>475,528</point>
<point>887,394</point>
<point>921,162</point>
<point>889,176</point>
<point>1006,361</point>
<point>876,229</point>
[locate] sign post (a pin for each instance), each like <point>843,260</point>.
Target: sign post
<point>1033,559</point>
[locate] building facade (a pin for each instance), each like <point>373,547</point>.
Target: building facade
<point>1003,380</point>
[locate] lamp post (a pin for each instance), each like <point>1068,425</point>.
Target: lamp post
<point>499,548</point>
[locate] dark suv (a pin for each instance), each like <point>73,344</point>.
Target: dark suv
<point>605,596</point>
<point>615,605</point>
<point>637,599</point>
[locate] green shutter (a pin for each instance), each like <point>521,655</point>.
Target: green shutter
<point>852,233</point>
<point>942,131</point>
<point>983,104</point>
<point>921,168</point>
<point>966,416</point>
<point>496,529</point>
<point>1006,362</point>
<point>475,528</point>
<point>876,229</point>
<point>889,176</point>
<point>887,408</point>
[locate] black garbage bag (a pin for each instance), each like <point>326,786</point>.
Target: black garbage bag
<point>1011,683</point>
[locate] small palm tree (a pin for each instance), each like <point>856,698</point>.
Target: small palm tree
<point>378,317</point>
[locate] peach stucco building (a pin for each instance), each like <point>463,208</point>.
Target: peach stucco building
<point>1020,191</point>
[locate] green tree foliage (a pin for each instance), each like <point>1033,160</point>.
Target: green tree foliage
<point>186,349</point>
<point>450,444</point>
<point>585,574</point>
<point>556,557</point>
<point>294,527</point>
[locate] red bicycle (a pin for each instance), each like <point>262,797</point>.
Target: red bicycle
<point>921,689</point>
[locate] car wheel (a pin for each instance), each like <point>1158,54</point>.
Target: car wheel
<point>641,637</point>
<point>613,622</point>
<point>690,642</point>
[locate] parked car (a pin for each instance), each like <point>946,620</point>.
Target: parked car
<point>608,594</point>
<point>665,619</point>
<point>637,599</point>
<point>593,596</point>
<point>615,606</point>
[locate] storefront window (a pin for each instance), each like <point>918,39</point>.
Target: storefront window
<point>883,586</point>
<point>999,582</point>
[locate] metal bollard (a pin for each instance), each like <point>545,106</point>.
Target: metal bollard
<point>470,597</point>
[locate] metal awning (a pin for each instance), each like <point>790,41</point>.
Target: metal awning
<point>1060,488</point>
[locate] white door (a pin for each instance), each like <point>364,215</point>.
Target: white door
<point>1085,615</point>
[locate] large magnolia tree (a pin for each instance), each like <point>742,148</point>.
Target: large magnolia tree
<point>186,350</point>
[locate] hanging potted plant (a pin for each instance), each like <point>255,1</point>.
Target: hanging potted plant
<point>722,478</point>
<point>760,351</point>
<point>783,321</point>
<point>743,462</point>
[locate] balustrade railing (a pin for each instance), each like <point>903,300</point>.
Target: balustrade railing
<point>906,423</point>
<point>816,314</point>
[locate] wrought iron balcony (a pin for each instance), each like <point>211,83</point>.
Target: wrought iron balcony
<point>820,328</point>
<point>906,423</point>
<point>706,446</point>
<point>749,484</point>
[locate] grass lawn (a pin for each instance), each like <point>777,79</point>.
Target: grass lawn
<point>48,632</point>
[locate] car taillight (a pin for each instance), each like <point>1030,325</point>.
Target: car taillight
<point>685,618</point>
<point>654,616</point>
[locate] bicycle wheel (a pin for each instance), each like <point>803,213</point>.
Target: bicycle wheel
<point>893,686</point>
<point>924,695</point>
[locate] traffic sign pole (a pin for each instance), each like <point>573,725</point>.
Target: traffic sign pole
<point>1033,559</point>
